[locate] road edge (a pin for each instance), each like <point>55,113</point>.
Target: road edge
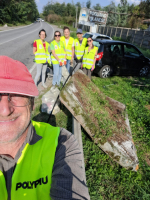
<point>16,28</point>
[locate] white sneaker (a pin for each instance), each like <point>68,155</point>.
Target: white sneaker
<point>45,86</point>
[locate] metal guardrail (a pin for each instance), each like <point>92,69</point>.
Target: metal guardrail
<point>76,130</point>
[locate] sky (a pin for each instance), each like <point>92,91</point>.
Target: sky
<point>41,3</point>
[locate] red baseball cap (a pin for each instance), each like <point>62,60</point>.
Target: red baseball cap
<point>15,78</point>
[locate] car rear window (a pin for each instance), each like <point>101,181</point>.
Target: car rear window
<point>103,37</point>
<point>87,35</point>
<point>97,44</point>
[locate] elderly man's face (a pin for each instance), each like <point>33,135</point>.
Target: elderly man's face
<point>13,120</point>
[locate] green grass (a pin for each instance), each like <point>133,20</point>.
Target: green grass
<point>72,29</point>
<point>61,25</point>
<point>105,178</point>
<point>61,119</point>
<point>17,24</point>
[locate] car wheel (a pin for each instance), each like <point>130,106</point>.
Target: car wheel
<point>144,71</point>
<point>104,71</point>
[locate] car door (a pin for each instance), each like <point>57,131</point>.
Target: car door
<point>132,59</point>
<point>117,58</point>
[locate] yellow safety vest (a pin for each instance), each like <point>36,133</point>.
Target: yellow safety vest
<point>68,47</point>
<point>42,56</point>
<point>79,49</point>
<point>89,57</point>
<point>59,51</point>
<point>32,177</point>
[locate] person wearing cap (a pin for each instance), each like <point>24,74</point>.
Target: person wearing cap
<point>58,58</point>
<point>37,161</point>
<point>69,46</point>
<point>42,56</point>
<point>80,44</point>
<point>89,58</point>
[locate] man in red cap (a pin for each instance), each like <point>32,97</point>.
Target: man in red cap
<point>37,161</point>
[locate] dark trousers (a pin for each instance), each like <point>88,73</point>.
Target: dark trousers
<point>87,72</point>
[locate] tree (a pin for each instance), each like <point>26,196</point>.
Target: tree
<point>14,11</point>
<point>123,8</point>
<point>78,4</point>
<point>88,4</point>
<point>97,7</point>
<point>112,19</point>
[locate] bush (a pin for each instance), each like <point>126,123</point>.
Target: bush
<point>52,18</point>
<point>69,20</point>
<point>143,26</point>
<point>73,34</point>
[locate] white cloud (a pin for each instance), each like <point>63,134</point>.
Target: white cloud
<point>37,1</point>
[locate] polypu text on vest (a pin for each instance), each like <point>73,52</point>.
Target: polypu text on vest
<point>32,184</point>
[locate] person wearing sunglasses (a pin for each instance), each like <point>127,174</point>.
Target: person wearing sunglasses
<point>69,46</point>
<point>42,56</point>
<point>58,58</point>
<point>37,161</point>
<point>80,44</point>
<point>89,58</point>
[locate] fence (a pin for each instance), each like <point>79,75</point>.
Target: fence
<point>83,27</point>
<point>138,37</point>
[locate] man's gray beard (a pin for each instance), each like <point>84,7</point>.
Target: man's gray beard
<point>19,135</point>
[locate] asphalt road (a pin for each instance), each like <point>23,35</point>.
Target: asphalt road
<point>18,43</point>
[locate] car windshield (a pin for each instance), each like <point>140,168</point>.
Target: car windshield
<point>87,35</point>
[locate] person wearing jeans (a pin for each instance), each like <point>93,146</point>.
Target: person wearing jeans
<point>69,46</point>
<point>42,56</point>
<point>58,58</point>
<point>57,69</point>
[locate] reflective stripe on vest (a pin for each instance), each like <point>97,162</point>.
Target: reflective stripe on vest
<point>89,57</point>
<point>59,51</point>
<point>68,47</point>
<point>42,56</point>
<point>33,173</point>
<point>79,49</point>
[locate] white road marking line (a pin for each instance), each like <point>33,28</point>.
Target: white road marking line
<point>16,28</point>
<point>34,65</point>
<point>53,30</point>
<point>19,36</point>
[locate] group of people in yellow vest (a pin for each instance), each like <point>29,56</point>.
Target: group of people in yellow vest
<point>65,50</point>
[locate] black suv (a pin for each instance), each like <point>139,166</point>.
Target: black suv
<point>119,58</point>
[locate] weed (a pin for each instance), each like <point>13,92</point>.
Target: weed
<point>105,178</point>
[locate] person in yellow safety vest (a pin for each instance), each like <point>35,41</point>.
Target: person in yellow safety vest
<point>35,158</point>
<point>69,46</point>
<point>42,56</point>
<point>89,58</point>
<point>58,58</point>
<point>79,44</point>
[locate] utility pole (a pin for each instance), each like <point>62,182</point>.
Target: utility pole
<point>76,15</point>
